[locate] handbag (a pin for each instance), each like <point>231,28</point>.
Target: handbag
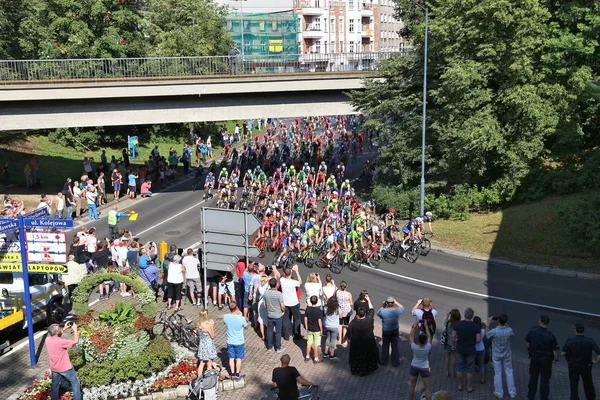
<point>153,283</point>
<point>444,336</point>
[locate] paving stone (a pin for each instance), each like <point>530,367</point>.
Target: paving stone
<point>182,390</point>
<point>145,397</point>
<point>170,394</point>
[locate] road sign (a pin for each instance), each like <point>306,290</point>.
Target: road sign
<point>34,268</point>
<point>40,212</point>
<point>220,259</point>
<point>8,224</point>
<point>231,250</point>
<point>10,257</point>
<point>230,221</point>
<point>224,238</point>
<point>46,247</point>
<point>220,267</point>
<point>48,223</point>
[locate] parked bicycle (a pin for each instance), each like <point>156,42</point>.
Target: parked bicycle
<point>176,328</point>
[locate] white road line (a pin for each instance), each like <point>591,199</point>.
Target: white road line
<point>170,218</point>
<point>481,295</point>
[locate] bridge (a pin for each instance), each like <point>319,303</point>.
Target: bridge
<point>44,94</point>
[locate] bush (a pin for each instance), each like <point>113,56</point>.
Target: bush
<point>96,374</point>
<point>588,233</point>
<point>77,357</point>
<point>121,314</point>
<point>160,353</point>
<point>131,367</point>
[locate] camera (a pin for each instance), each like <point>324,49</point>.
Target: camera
<point>269,270</point>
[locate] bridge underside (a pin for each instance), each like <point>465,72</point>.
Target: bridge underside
<point>169,109</point>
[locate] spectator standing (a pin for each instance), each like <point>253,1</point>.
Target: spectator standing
<point>345,301</point>
<point>206,346</point>
<point>235,323</point>
<point>187,158</point>
<point>192,277</point>
<point>91,195</point>
<point>286,379</point>
<point>329,289</point>
<point>125,155</point>
<point>426,312</point>
<point>240,268</point>
<point>116,180</point>
<point>70,202</point>
<point>165,269</point>
<point>58,356</point>
<point>419,366</point>
<point>175,276</point>
<point>248,288</point>
<point>500,338</point>
<point>77,196</point>
<point>313,321</point>
<point>578,353</point>
<point>332,325</point>
<point>452,318</point>
<point>543,349</point>
<point>464,337</point>
<point>28,173</point>
<point>209,148</point>
<point>292,319</point>
<point>480,350</point>
<point>113,222</point>
<point>87,166</point>
<point>44,203</point>
<point>313,287</point>
<point>233,60</point>
<point>35,168</point>
<point>75,273</point>
<point>390,314</point>
<point>120,257</point>
<point>59,203</point>
<point>101,184</point>
<point>275,310</point>
<point>131,184</point>
<point>363,354</point>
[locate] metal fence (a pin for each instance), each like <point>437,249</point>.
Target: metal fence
<point>31,71</point>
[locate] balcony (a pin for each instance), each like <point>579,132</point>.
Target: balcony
<point>313,32</point>
<point>366,31</point>
<point>313,7</point>
<point>366,10</point>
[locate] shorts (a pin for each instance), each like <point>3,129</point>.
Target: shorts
<point>465,362</point>
<point>245,302</point>
<point>131,188</point>
<point>213,282</point>
<point>228,286</point>
<point>174,291</point>
<point>424,372</point>
<point>480,361</point>
<point>117,187</point>
<point>345,320</point>
<point>313,338</point>
<point>194,285</point>
<point>236,351</point>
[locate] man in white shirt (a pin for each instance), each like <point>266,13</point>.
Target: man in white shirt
<point>91,195</point>
<point>59,203</point>
<point>121,260</point>
<point>192,277</point>
<point>291,302</point>
<point>44,204</point>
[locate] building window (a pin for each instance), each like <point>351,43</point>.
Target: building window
<point>318,47</point>
<point>332,26</point>
<point>263,46</point>
<point>325,24</point>
<point>262,25</point>
<point>325,48</point>
<point>341,47</point>
<point>351,26</point>
<point>332,47</point>
<point>341,25</point>
<point>274,26</point>
<point>351,5</point>
<point>351,49</point>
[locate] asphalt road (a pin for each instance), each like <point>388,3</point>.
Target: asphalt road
<point>450,281</point>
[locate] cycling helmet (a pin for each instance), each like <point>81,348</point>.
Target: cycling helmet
<point>227,187</point>
<point>223,169</point>
<point>381,223</point>
<point>282,165</point>
<point>299,208</point>
<point>322,162</point>
<point>306,164</point>
<point>347,180</point>
<point>419,219</point>
<point>360,229</point>
<point>428,214</point>
<point>312,220</point>
<point>392,211</point>
<point>210,174</point>
<point>347,207</point>
<point>279,201</point>
<point>249,171</point>
<point>343,231</point>
<point>296,231</point>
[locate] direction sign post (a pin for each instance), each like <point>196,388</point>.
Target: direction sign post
<point>225,236</point>
<point>26,292</point>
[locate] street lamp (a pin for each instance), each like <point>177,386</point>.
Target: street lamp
<point>424,128</point>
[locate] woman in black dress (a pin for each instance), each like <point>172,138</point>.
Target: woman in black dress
<point>364,354</point>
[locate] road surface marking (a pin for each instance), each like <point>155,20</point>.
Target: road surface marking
<point>170,218</point>
<point>481,295</point>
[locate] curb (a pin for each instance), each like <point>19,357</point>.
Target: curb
<point>544,269</point>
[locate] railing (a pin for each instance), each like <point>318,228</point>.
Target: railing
<point>312,28</point>
<point>33,71</point>
<point>313,4</point>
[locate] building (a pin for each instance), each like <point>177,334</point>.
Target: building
<point>346,26</point>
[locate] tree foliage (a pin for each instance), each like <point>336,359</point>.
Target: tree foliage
<point>506,90</point>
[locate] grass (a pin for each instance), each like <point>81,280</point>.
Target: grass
<point>530,233</point>
<point>58,162</point>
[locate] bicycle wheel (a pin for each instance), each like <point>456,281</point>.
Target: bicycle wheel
<point>425,247</point>
<point>309,259</point>
<point>411,254</point>
<point>191,339</point>
<point>353,263</point>
<point>336,265</point>
<point>390,257</point>
<point>167,333</point>
<point>374,260</point>
<point>319,259</point>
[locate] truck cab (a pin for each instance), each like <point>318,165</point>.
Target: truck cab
<point>47,294</point>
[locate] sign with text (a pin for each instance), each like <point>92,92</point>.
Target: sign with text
<point>46,247</point>
<point>48,223</point>
<point>40,212</point>
<point>8,224</point>
<point>34,268</point>
<point>10,257</point>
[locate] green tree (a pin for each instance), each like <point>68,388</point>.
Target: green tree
<point>188,28</point>
<point>506,78</point>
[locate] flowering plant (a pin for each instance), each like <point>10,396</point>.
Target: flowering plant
<point>180,374</point>
<point>40,390</point>
<point>143,322</point>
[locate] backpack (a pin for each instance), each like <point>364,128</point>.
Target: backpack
<point>207,385</point>
<point>429,320</point>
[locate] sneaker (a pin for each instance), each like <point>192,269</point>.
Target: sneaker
<point>281,350</point>
<point>498,395</point>
<point>333,357</point>
<point>240,376</point>
<point>126,294</point>
<point>271,350</point>
<point>317,361</point>
<point>325,355</point>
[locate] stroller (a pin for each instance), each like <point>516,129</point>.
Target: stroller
<point>205,387</point>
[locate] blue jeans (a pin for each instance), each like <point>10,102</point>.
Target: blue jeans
<point>92,211</point>
<point>69,212</point>
<point>390,339</point>
<point>70,376</point>
<point>278,324</point>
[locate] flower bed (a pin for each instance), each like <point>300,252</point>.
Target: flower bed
<point>40,390</point>
<point>180,374</point>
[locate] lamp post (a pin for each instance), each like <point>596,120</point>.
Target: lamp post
<point>424,127</point>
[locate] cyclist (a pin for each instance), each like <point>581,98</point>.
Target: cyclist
<point>375,232</point>
<point>262,177</point>
<point>409,231</point>
<point>248,178</point>
<point>209,184</point>
<point>223,173</point>
<point>389,217</point>
<point>309,237</point>
<point>331,183</point>
<point>333,239</point>
<point>345,187</point>
<point>292,241</point>
<point>428,218</point>
<point>355,237</point>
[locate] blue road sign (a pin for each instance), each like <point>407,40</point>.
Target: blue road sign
<point>48,223</point>
<point>40,212</point>
<point>8,224</point>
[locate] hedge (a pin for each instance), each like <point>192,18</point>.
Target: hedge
<point>144,295</point>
